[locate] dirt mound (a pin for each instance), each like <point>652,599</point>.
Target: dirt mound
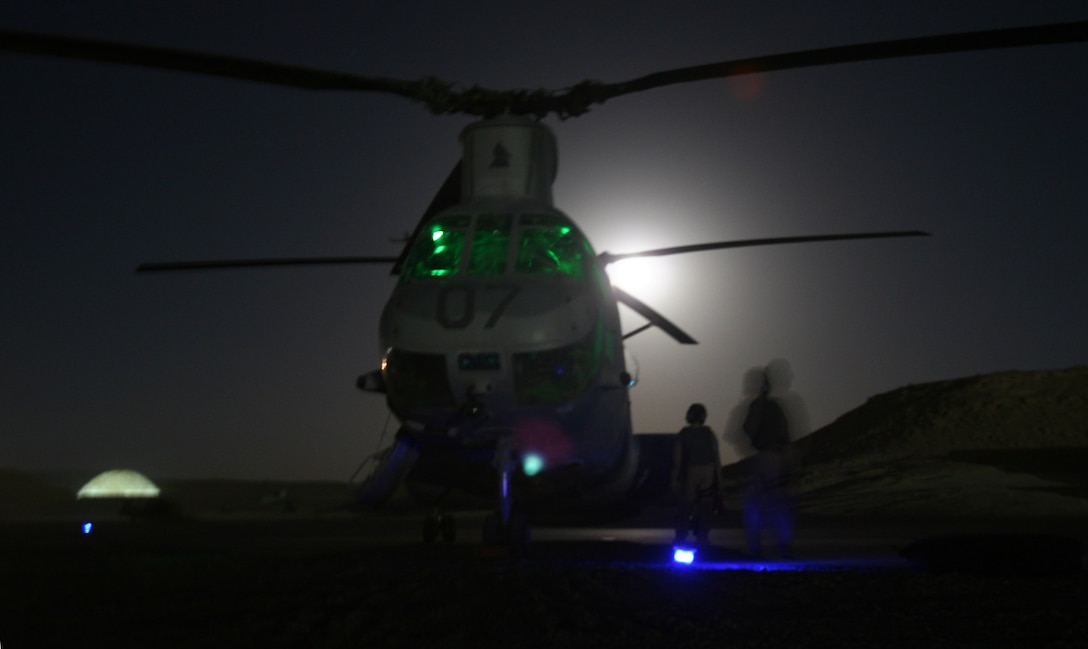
<point>1007,410</point>
<point>1010,444</point>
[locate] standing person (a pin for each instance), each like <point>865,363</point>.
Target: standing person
<point>766,502</point>
<point>696,475</point>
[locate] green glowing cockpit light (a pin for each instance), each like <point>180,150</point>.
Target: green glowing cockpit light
<point>438,255</point>
<point>484,245</point>
<point>547,245</point>
<point>490,245</point>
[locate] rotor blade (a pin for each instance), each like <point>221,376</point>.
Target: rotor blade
<point>644,310</point>
<point>1074,32</point>
<point>199,63</point>
<point>608,258</point>
<point>449,194</point>
<point>228,264</point>
<point>444,98</point>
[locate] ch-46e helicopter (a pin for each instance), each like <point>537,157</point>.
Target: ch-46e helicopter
<point>501,347</point>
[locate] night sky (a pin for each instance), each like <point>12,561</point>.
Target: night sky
<point>250,374</point>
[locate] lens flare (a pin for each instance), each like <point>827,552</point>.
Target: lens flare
<point>532,464</point>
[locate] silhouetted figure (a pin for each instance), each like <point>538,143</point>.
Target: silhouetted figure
<point>696,475</point>
<point>766,501</point>
<point>734,434</point>
<point>780,377</point>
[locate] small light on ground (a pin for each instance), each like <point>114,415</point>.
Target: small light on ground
<point>685,556</point>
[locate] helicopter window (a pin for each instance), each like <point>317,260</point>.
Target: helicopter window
<point>417,380</point>
<point>490,242</point>
<point>437,251</point>
<point>549,245</point>
<point>557,375</point>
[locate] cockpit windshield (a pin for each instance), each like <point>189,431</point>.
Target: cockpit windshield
<point>437,252</point>
<point>548,245</point>
<point>492,245</point>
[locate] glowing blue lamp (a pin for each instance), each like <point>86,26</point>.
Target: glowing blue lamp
<point>685,556</point>
<point>87,528</point>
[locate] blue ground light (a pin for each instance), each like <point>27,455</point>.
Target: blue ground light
<point>682,555</point>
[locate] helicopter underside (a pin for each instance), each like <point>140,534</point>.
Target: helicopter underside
<point>578,453</point>
<point>446,474</point>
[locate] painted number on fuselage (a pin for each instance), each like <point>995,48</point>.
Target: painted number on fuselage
<point>456,308</point>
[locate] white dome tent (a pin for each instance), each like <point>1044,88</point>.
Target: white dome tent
<point>119,483</point>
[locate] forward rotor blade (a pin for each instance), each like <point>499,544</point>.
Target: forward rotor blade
<point>1074,32</point>
<point>230,264</point>
<point>608,258</point>
<point>199,63</point>
<point>442,97</point>
<point>644,310</point>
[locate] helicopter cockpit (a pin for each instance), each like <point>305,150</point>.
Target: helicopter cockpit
<point>519,251</point>
<point>494,245</point>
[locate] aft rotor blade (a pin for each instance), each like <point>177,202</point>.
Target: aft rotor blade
<point>230,264</point>
<point>607,257</point>
<point>644,310</point>
<point>1055,34</point>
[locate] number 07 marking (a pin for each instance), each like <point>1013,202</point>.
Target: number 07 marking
<point>456,307</point>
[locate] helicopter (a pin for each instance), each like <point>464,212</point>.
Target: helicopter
<point>501,348</point>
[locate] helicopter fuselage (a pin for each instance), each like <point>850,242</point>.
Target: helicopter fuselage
<point>503,330</point>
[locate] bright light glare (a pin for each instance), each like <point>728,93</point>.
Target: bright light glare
<point>685,556</point>
<point>87,528</point>
<point>642,277</point>
<point>532,464</point>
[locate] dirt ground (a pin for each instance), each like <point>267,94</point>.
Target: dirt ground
<point>310,584</point>
<point>269,566</point>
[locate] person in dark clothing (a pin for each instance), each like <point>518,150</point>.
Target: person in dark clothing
<point>766,501</point>
<point>696,475</point>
